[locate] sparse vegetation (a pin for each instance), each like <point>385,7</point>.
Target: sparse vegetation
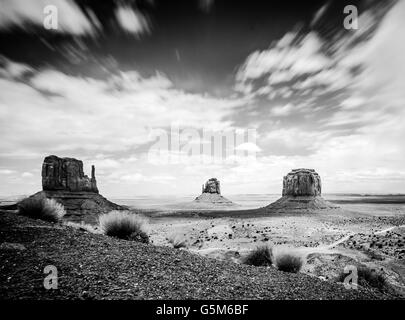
<point>177,241</point>
<point>41,208</point>
<point>288,262</point>
<point>368,277</point>
<point>261,256</point>
<point>124,225</point>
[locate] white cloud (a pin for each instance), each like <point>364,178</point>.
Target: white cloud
<point>13,69</point>
<point>132,20</point>
<point>352,102</point>
<point>280,76</point>
<point>27,175</point>
<point>6,171</point>
<point>282,111</point>
<point>102,116</point>
<point>248,146</point>
<point>302,57</point>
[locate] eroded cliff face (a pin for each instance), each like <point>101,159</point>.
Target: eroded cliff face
<point>212,186</point>
<point>302,182</point>
<point>66,174</point>
<point>302,192</point>
<point>63,179</point>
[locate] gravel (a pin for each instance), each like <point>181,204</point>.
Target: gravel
<point>93,266</point>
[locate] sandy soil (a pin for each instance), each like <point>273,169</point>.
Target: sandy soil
<point>328,240</point>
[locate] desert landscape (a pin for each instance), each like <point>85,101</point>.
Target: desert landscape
<point>202,150</point>
<point>364,231</point>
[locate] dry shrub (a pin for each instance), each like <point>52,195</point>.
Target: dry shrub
<point>177,241</point>
<point>289,262</point>
<point>261,256</point>
<point>41,208</point>
<point>124,225</point>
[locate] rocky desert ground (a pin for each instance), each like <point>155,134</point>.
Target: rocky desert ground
<point>328,240</point>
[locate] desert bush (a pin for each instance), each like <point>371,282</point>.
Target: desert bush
<point>177,241</point>
<point>288,262</point>
<point>260,256</point>
<point>368,277</point>
<point>124,225</point>
<point>41,208</point>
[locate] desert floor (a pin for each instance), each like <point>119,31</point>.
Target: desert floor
<point>328,240</point>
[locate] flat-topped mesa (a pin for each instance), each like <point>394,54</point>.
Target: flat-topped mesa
<point>302,182</point>
<point>302,191</point>
<point>212,186</point>
<point>66,174</point>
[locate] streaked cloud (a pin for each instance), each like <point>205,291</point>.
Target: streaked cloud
<point>132,20</point>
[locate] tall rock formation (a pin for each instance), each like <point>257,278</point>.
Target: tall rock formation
<point>302,190</point>
<point>211,197</point>
<point>211,186</point>
<point>63,179</point>
<point>66,174</point>
<point>302,182</point>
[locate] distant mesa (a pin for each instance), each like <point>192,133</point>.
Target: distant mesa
<point>302,190</point>
<point>67,174</point>
<point>211,195</point>
<point>302,182</point>
<point>63,179</point>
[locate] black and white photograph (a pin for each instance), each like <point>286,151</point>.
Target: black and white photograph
<point>202,150</point>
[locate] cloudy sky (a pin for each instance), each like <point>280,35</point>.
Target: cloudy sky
<point>117,76</point>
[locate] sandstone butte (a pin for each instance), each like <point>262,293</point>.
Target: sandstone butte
<point>211,195</point>
<point>63,179</point>
<point>302,190</point>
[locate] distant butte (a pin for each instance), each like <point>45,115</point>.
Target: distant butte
<point>211,195</point>
<point>302,190</point>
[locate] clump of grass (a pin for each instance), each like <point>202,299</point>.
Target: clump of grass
<point>260,256</point>
<point>124,225</point>
<point>177,241</point>
<point>41,208</point>
<point>289,262</point>
<point>368,277</point>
